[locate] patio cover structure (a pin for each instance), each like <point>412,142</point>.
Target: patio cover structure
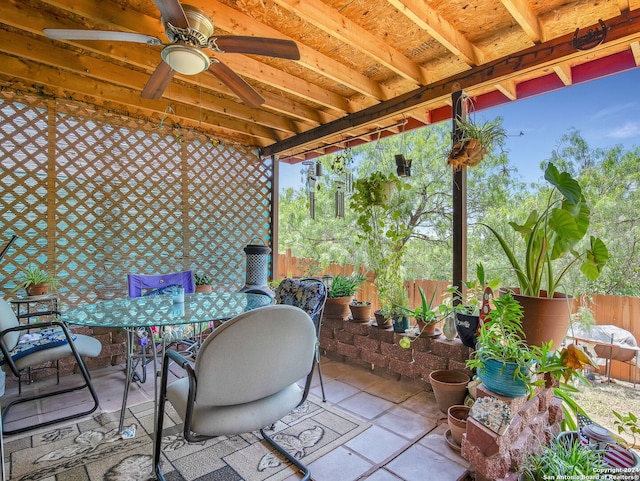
<point>367,68</point>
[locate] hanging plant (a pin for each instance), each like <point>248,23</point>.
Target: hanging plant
<point>476,140</point>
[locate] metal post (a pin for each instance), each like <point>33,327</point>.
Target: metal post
<point>459,197</point>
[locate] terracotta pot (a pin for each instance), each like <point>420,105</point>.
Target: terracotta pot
<point>360,313</point>
<point>338,307</point>
<point>544,319</point>
<point>383,322</point>
<point>449,387</point>
<point>37,289</point>
<point>204,288</point>
<point>426,330</point>
<point>457,418</point>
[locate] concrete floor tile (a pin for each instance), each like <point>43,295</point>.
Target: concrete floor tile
<point>365,405</point>
<point>340,464</point>
<point>406,423</point>
<point>382,475</point>
<point>378,444</point>
<point>419,464</point>
<point>335,391</point>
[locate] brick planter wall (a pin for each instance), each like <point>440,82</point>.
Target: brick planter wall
<point>378,349</point>
<point>534,422</point>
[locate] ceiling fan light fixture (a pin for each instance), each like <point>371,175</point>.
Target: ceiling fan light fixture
<point>185,60</point>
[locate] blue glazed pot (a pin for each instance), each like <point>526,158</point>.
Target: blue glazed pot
<point>498,377</point>
<point>400,324</point>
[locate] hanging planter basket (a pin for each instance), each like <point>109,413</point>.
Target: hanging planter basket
<point>466,154</point>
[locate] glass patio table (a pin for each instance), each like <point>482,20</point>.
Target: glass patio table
<point>134,314</point>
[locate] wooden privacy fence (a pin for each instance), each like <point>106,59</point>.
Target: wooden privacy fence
<point>620,311</point>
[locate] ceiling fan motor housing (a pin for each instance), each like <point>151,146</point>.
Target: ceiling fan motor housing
<point>199,30</point>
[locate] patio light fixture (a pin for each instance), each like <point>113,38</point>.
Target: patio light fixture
<point>185,60</point>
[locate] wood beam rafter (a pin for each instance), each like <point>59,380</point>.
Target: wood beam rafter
<point>432,22</point>
<point>333,23</point>
<point>622,30</point>
<point>528,21</point>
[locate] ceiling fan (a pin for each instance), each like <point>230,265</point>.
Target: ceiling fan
<point>189,31</point>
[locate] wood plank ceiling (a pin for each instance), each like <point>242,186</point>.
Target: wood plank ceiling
<point>367,67</point>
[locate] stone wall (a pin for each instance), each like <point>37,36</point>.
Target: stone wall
<point>378,349</point>
<point>535,421</point>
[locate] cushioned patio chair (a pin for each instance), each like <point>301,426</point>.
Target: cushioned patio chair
<point>25,346</point>
<point>310,295</point>
<point>243,379</point>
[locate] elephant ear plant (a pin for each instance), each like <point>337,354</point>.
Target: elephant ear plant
<point>553,234</point>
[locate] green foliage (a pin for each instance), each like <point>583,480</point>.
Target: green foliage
<point>472,300</point>
<point>627,424</point>
<point>551,235</point>
<point>489,132</point>
<point>500,339</point>
<point>202,279</point>
<point>564,459</point>
<point>342,286</point>
<point>32,275</point>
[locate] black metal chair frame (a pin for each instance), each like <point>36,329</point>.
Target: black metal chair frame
<point>18,373</point>
<point>189,436</point>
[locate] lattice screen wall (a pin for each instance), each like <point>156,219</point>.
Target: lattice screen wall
<point>93,196</point>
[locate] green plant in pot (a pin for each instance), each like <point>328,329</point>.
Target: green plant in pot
<point>503,360</point>
<point>426,317</point>
<point>467,312</point>
<point>563,459</point>
<point>36,281</point>
<point>203,283</point>
<point>360,311</point>
<point>552,247</point>
<point>341,292</point>
<point>475,141</point>
<point>383,236</point>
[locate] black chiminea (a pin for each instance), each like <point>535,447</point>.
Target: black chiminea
<point>257,264</point>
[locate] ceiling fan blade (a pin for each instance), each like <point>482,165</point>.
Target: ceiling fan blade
<point>172,12</point>
<point>73,34</point>
<point>158,82</point>
<point>273,47</point>
<point>236,83</point>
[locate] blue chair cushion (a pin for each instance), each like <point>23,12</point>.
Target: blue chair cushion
<point>37,341</point>
<point>162,290</point>
<point>305,294</point>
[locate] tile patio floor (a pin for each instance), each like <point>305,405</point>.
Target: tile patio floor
<point>404,443</point>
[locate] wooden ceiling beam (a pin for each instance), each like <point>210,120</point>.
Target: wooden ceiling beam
<point>121,99</point>
<point>238,23</point>
<point>563,71</point>
<point>139,56</point>
<point>332,22</point>
<point>420,13</point>
<point>526,18</point>
<point>38,51</point>
<point>622,30</point>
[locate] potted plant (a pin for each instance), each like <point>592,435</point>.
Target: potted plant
<point>505,363</point>
<point>341,292</point>
<point>360,311</point>
<point>203,283</point>
<point>563,459</point>
<point>36,281</point>
<point>376,189</point>
<point>467,312</point>
<point>551,249</point>
<point>383,237</point>
<point>474,142</point>
<point>426,318</point>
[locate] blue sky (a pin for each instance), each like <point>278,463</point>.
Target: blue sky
<point>605,111</point>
